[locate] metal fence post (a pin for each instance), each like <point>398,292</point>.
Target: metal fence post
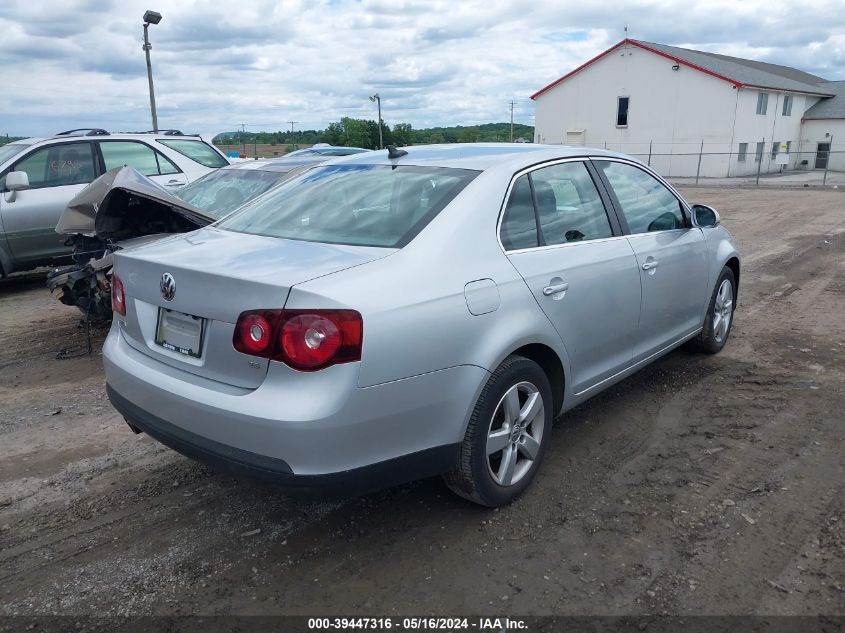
<point>827,162</point>
<point>649,152</point>
<point>698,170</point>
<point>760,160</point>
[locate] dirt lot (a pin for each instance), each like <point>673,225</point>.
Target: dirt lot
<point>702,485</point>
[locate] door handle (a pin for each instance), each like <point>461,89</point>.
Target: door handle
<point>551,290</point>
<point>650,265</point>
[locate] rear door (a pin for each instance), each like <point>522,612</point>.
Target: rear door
<point>150,163</point>
<point>56,172</point>
<point>558,234</point>
<point>671,255</point>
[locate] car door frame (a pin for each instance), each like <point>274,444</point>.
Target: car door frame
<point>619,233</point>
<point>49,144</point>
<point>688,226</point>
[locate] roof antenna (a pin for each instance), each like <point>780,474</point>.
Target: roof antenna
<point>392,152</point>
<point>626,31</point>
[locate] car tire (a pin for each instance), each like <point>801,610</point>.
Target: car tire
<point>514,412</point>
<point>719,318</point>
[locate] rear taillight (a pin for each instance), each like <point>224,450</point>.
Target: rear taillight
<point>307,340</point>
<point>118,296</point>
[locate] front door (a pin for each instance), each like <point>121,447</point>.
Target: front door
<point>582,273</point>
<point>822,155</point>
<point>56,174</point>
<point>671,257</point>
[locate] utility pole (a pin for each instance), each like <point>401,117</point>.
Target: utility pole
<point>243,138</point>
<point>511,121</point>
<point>292,123</point>
<point>377,98</point>
<point>150,17</point>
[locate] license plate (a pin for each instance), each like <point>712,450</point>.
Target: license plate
<point>180,332</point>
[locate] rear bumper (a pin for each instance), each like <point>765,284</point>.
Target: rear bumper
<point>318,428</point>
<point>425,463</point>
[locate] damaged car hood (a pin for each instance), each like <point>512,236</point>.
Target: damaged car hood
<point>101,208</point>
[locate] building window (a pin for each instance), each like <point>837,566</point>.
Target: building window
<point>775,147</point>
<point>743,152</point>
<point>788,146</point>
<point>787,105</point>
<point>622,111</point>
<point>762,102</point>
<point>758,155</point>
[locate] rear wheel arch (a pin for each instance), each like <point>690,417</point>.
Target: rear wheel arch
<point>552,366</point>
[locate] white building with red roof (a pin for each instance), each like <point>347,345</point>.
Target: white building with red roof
<point>667,105</point>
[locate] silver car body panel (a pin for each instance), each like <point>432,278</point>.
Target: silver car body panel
<point>440,314</point>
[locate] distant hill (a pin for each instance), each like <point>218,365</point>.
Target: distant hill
<point>484,133</point>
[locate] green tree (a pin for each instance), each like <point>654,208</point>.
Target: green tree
<point>403,134</point>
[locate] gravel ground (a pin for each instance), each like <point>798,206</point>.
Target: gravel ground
<point>701,485</point>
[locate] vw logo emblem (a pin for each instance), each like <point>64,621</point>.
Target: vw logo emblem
<point>167,286</point>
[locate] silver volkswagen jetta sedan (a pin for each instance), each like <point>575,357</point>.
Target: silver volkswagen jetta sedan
<point>400,314</point>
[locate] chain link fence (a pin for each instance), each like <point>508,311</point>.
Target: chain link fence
<point>751,159</point>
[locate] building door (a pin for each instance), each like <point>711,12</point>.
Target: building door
<point>822,154</point>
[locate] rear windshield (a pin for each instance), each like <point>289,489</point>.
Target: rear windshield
<point>360,205</point>
<point>198,151</point>
<point>222,191</point>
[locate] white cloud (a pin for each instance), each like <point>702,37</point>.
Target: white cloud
<point>264,62</point>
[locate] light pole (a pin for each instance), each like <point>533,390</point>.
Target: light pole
<point>377,98</point>
<point>151,17</point>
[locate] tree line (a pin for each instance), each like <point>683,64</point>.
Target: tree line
<point>364,133</point>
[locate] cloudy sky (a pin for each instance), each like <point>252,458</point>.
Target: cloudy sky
<point>220,63</point>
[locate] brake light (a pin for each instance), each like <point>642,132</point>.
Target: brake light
<point>306,340</point>
<point>118,296</point>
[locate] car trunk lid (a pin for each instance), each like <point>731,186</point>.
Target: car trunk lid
<point>215,275</point>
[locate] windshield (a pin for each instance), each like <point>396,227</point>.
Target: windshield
<point>222,191</point>
<point>360,205</point>
<point>11,149</point>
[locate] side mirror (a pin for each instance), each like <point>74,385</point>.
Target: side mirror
<point>704,216</point>
<point>17,181</point>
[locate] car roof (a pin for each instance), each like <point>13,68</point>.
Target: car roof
<point>476,156</point>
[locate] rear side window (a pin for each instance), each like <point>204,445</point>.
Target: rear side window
<point>138,155</point>
<point>569,207</point>
<point>360,205</point>
<point>645,202</point>
<point>59,165</point>
<point>519,224</point>
<point>198,151</point>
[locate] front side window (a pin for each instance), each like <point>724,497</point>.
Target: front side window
<point>198,151</point>
<point>59,165</point>
<point>358,205</point>
<point>622,111</point>
<point>645,202</point>
<point>787,105</point>
<point>762,102</point>
<point>743,152</point>
<point>138,155</point>
<point>569,208</point>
